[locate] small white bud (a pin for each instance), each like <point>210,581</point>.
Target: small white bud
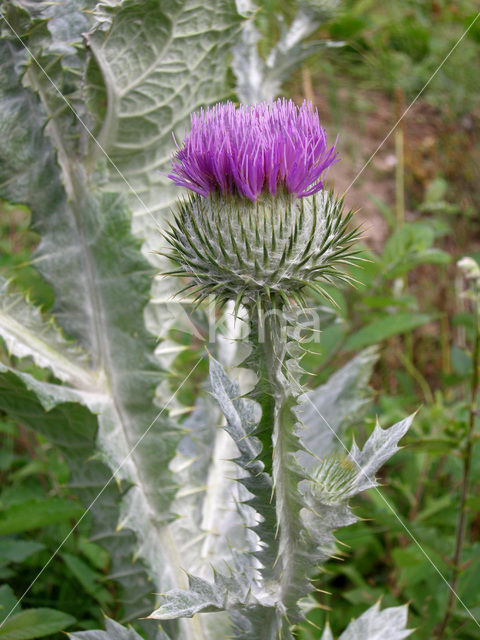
<point>469,267</point>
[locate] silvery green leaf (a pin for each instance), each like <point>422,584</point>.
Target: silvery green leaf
<point>291,49</point>
<point>242,416</point>
<point>327,633</point>
<point>259,80</point>
<point>230,588</point>
<point>310,15</point>
<point>102,283</point>
<point>208,526</point>
<point>180,66</point>
<point>375,624</point>
<point>260,622</point>
<point>64,23</point>
<point>26,334</point>
<point>248,67</point>
<point>380,446</point>
<point>326,411</point>
<point>114,631</point>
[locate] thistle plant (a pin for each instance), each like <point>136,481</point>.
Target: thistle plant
<point>261,230</point>
<point>86,118</point>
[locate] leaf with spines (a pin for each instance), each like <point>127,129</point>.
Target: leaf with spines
<point>242,417</point>
<point>236,585</point>
<point>380,446</point>
<point>26,334</point>
<point>338,478</point>
<point>316,505</point>
<point>102,283</point>
<point>267,623</point>
<point>326,411</point>
<point>230,589</point>
<point>114,631</point>
<point>376,624</point>
<point>259,80</point>
<point>208,525</point>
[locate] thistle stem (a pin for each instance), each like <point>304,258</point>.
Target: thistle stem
<point>277,398</point>
<point>466,480</point>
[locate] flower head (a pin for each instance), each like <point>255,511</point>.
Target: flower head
<point>268,242</point>
<point>269,147</point>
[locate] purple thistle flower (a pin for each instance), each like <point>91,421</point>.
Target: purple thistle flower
<point>253,149</point>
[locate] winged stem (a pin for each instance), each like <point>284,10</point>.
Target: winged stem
<point>277,397</point>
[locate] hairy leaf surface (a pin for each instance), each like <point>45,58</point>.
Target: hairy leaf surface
<point>26,334</point>
<point>259,80</point>
<point>326,411</point>
<point>375,624</point>
<point>150,91</point>
<point>114,631</point>
<point>101,280</point>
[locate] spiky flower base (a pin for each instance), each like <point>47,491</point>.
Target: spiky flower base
<point>251,252</point>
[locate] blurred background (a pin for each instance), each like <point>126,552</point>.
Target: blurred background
<point>417,192</point>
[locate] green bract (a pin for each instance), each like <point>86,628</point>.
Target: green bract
<point>253,252</point>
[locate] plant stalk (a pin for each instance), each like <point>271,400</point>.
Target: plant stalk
<point>277,398</point>
<point>466,479</point>
<point>400,155</point>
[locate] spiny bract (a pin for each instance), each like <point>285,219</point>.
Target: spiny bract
<point>267,250</point>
